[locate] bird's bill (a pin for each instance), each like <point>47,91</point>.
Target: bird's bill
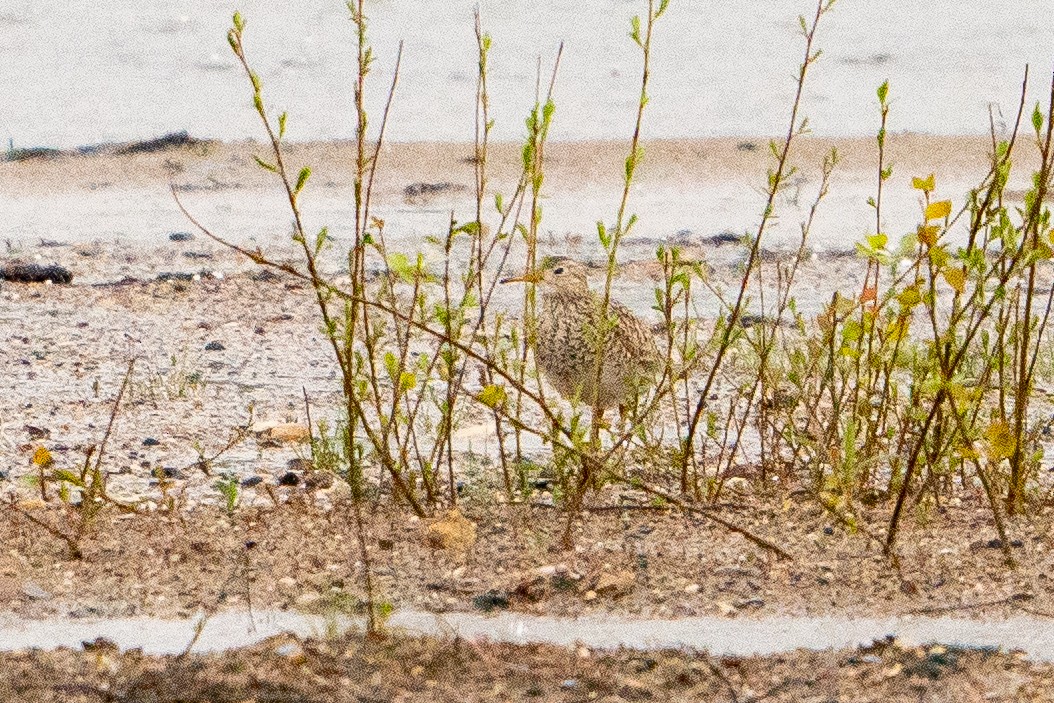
<point>530,277</point>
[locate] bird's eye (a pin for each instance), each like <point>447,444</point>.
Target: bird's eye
<point>559,269</point>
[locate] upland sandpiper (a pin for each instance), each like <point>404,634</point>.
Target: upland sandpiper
<point>568,332</point>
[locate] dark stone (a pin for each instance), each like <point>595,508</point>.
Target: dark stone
<point>386,545</point>
<point>828,531</point>
<point>19,272</point>
<point>168,276</point>
<point>173,140</point>
<point>315,480</point>
<point>251,481</point>
<point>490,601</point>
<point>746,146</point>
<point>197,255</point>
<point>289,479</point>
<point>264,276</point>
<point>721,238</point>
<point>214,346</point>
<point>417,190</point>
<point>180,236</point>
<point>151,442</point>
<point>37,432</point>
<point>34,152</point>
<point>169,472</point>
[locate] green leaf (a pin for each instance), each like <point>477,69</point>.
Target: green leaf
<point>264,165</point>
<point>239,23</point>
<point>301,180</point>
<point>391,365</point>
<point>281,124</point>
<point>877,241</point>
<point>321,239</point>
<point>499,201</point>
<point>1037,119</point>
<point>602,234</point>
<point>634,33</point>
<point>883,91</point>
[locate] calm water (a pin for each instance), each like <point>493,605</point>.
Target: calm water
<point>80,71</point>
<point>721,636</point>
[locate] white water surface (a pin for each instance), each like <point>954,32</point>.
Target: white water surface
<point>720,636</point>
<point>75,72</point>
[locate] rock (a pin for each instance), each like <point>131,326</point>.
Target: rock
<point>21,272</point>
<point>288,479</point>
<point>150,442</point>
<point>318,480</point>
<point>692,588</point>
<point>740,484</point>
<point>214,346</point>
<point>283,433</point>
<point>750,603</point>
<point>615,584</point>
<point>33,591</point>
<point>725,608</point>
<point>290,650</point>
<point>453,531</point>
<point>172,140</point>
<point>634,690</point>
<point>287,583</point>
<point>37,432</point>
<point>491,600</point>
<point>589,595</point>
<point>251,481</point>
<point>420,193</point>
<point>180,236</point>
<point>100,645</point>
<point>308,599</point>
<point>532,589</point>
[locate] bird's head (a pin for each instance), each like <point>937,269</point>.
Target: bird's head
<point>556,272</point>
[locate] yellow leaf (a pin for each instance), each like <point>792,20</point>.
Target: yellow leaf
<point>407,380</point>
<point>42,457</point>
<point>927,184</point>
<point>956,278</point>
<point>928,234</point>
<point>492,396</point>
<point>1001,441</point>
<point>910,297</point>
<point>939,209</point>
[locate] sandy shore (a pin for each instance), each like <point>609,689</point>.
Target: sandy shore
<point>209,348</point>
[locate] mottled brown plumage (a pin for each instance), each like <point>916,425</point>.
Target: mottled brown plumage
<point>566,344</point>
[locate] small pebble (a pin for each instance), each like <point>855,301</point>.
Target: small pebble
<point>33,591</point>
<point>214,346</point>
